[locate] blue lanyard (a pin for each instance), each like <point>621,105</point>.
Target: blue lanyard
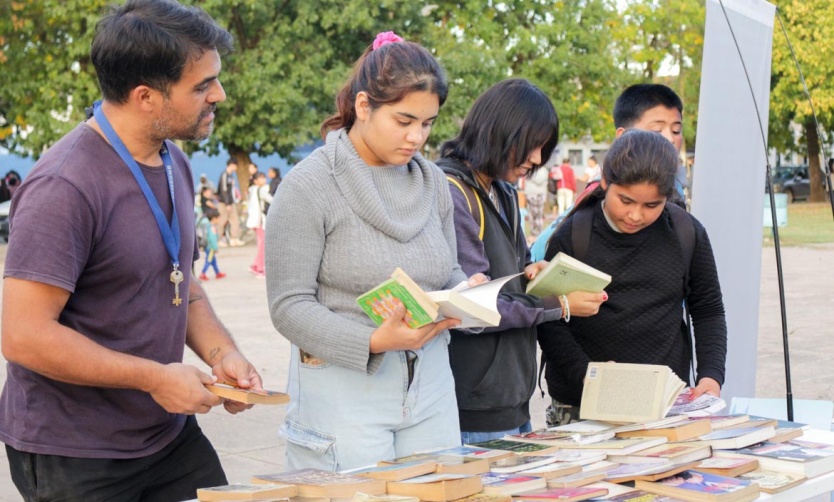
<point>170,233</point>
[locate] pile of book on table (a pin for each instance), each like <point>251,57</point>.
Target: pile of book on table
<point>680,453</point>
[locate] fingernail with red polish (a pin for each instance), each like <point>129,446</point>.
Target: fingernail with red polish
<point>604,296</point>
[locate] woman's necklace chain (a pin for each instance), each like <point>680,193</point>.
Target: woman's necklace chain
<point>490,189</point>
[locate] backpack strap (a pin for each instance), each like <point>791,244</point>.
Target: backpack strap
<point>476,207</point>
<point>580,231</point>
<point>685,230</point>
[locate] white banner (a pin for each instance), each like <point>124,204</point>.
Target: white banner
<point>729,170</point>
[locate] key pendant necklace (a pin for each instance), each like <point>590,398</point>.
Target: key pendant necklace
<point>176,278</point>
<point>170,233</point>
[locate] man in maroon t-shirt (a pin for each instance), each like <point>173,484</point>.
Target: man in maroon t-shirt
<point>566,187</point>
<point>94,327</point>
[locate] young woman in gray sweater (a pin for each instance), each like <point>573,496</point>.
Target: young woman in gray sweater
<point>342,220</point>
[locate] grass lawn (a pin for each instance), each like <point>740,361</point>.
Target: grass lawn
<point>808,223</point>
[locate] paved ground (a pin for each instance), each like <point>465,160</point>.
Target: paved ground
<point>248,443</point>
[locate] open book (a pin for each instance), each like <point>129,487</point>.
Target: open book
<point>565,274</point>
<point>475,307</point>
<point>620,392</point>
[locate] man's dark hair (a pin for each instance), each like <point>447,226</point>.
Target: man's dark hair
<point>231,161</point>
<point>637,99</point>
<point>211,214</point>
<point>505,124</point>
<point>150,42</point>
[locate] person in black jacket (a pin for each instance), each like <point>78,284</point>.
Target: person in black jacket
<point>510,129</point>
<point>632,238</point>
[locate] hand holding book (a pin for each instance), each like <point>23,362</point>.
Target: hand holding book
<point>395,332</point>
<point>578,303</point>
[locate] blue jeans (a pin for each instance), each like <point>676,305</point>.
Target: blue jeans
<point>478,437</point>
<point>341,418</point>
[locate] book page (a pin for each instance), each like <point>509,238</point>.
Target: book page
<point>486,294</point>
<point>624,392</point>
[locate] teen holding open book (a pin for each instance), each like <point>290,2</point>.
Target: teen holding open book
<point>633,239</point>
<point>507,133</point>
<point>358,207</point>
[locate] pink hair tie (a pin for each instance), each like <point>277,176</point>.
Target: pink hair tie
<point>386,37</point>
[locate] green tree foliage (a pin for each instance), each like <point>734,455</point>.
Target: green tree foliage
<point>808,24</point>
<point>46,78</point>
<point>292,56</point>
<point>659,35</point>
<point>564,46</point>
<point>290,59</point>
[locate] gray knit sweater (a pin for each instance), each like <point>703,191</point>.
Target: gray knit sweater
<point>338,227</point>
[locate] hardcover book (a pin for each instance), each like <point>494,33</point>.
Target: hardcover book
<point>437,487</point>
<point>621,392</point>
<point>702,487</point>
<point>249,396</point>
<point>245,492</point>
<point>565,274</point>
<point>318,483</point>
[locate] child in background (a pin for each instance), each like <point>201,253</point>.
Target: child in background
<point>211,246</point>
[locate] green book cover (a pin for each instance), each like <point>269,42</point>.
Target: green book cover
<point>377,303</point>
<point>564,275</point>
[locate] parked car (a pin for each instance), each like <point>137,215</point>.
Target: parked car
<point>4,220</point>
<point>792,181</point>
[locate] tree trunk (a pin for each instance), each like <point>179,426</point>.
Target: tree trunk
<point>243,160</point>
<point>814,170</point>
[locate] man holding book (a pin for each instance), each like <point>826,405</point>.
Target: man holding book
<point>98,300</point>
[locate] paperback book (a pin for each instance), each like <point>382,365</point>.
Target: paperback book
<point>792,458</point>
<point>511,484</point>
<point>676,432</point>
<point>561,494</point>
<point>516,447</point>
<point>565,274</point>
<point>520,463</point>
<point>445,464</point>
<point>731,439</point>
<point>318,483</point>
<point>703,405</point>
<point>474,306</point>
<point>772,481</point>
<point>245,492</point>
<point>437,487</point>
<point>728,466</point>
<point>248,396</point>
<point>621,392</point>
<point>702,487</point>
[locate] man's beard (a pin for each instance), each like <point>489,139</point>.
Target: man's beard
<point>168,127</point>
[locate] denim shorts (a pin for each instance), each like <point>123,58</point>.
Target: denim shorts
<point>341,418</point>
